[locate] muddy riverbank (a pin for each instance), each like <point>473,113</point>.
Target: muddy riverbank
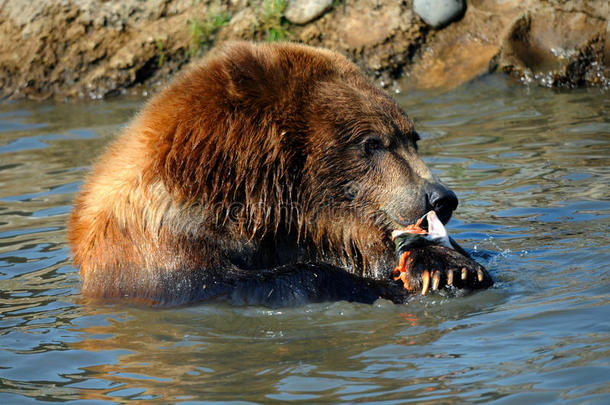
<point>94,48</point>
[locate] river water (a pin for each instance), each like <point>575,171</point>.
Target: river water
<point>531,167</point>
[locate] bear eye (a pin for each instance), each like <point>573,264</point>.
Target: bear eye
<point>372,144</point>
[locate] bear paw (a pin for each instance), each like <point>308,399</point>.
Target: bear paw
<point>437,267</point>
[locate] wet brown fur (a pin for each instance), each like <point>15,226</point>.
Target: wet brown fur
<point>252,159</point>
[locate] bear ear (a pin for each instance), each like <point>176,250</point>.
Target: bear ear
<point>253,74</point>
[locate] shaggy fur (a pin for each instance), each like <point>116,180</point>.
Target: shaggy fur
<point>258,159</point>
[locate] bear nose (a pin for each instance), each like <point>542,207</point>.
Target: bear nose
<point>442,200</point>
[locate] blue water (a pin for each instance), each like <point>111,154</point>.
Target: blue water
<point>532,169</point>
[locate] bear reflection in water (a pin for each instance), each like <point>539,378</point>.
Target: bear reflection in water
<point>267,174</point>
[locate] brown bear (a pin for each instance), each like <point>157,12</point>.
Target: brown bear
<point>268,173</point>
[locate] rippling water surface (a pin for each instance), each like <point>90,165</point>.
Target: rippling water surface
<point>532,170</point>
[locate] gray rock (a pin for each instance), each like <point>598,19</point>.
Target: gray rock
<point>304,11</point>
<point>438,13</point>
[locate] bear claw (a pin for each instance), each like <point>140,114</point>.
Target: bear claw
<point>433,280</point>
<point>426,282</point>
<point>436,279</point>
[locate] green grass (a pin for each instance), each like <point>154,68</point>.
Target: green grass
<point>160,50</point>
<point>202,32</point>
<point>272,21</point>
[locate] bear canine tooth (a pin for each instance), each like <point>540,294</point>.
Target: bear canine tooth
<point>480,275</point>
<point>449,277</point>
<point>464,273</point>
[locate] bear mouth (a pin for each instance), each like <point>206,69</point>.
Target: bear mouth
<point>399,220</point>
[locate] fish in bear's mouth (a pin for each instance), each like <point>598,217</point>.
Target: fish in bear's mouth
<point>428,230</point>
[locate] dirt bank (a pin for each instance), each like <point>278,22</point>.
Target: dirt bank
<point>96,48</point>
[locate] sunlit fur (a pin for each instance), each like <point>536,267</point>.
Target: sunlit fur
<point>252,159</point>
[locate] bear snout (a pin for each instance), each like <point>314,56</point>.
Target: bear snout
<point>442,200</point>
